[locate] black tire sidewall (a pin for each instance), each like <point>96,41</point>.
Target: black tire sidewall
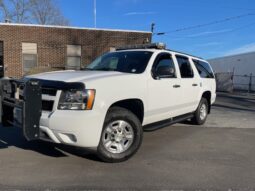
<point>197,118</point>
<point>115,114</point>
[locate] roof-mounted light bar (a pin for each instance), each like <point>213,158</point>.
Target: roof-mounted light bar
<point>143,46</point>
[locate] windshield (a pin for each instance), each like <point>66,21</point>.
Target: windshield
<point>127,62</point>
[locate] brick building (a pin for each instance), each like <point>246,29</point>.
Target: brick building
<point>26,47</point>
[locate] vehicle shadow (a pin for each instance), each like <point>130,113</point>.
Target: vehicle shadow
<point>233,108</point>
<point>247,101</point>
<point>235,102</point>
<point>11,136</point>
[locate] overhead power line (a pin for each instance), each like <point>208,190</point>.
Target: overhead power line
<point>206,24</point>
<point>238,8</point>
<point>216,33</point>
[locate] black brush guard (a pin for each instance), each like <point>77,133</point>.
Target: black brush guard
<point>22,102</point>
<point>21,105</point>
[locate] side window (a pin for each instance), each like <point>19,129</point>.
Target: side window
<point>162,61</point>
<point>185,67</point>
<point>203,69</point>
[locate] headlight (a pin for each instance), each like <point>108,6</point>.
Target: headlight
<point>77,100</point>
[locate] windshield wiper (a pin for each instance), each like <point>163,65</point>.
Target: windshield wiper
<point>104,69</point>
<point>88,69</point>
<point>99,69</point>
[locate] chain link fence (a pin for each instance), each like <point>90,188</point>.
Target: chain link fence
<point>229,82</point>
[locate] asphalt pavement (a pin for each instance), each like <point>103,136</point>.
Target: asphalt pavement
<point>219,155</point>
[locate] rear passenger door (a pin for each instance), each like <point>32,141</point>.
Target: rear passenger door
<point>189,83</point>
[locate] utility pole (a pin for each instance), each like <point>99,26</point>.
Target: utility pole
<point>95,13</point>
<point>152,28</point>
<point>152,31</point>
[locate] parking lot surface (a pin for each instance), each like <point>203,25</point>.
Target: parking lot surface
<point>218,155</point>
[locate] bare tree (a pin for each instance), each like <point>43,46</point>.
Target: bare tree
<point>4,11</point>
<point>45,12</point>
<point>16,10</point>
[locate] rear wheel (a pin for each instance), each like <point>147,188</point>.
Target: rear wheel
<point>121,136</point>
<point>201,113</point>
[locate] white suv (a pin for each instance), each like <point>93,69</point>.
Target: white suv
<point>107,106</point>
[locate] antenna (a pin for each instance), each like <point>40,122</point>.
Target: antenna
<point>95,13</point>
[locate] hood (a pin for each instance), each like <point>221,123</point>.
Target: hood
<point>76,76</point>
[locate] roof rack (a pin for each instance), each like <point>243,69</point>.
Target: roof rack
<point>143,46</point>
<point>179,52</point>
<point>159,45</point>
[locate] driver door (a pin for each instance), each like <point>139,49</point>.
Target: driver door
<point>164,93</point>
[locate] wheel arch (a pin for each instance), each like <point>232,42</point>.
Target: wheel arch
<point>207,95</point>
<point>134,105</point>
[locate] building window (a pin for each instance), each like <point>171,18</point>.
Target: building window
<point>73,60</point>
<point>1,59</point>
<point>29,55</point>
<point>112,49</point>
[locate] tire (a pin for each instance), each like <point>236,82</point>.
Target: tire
<point>121,136</point>
<point>201,113</point>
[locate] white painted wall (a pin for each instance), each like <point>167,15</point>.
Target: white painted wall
<point>242,64</point>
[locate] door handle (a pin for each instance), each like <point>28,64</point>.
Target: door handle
<point>194,85</point>
<point>176,86</point>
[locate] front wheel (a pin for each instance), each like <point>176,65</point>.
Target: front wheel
<point>201,113</point>
<point>121,136</point>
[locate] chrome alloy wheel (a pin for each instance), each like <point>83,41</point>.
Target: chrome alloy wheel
<point>203,112</point>
<point>118,136</point>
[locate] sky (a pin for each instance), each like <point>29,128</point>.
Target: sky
<point>222,27</point>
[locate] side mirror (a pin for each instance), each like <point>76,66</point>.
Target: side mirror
<point>165,72</point>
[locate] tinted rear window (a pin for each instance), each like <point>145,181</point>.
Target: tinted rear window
<point>203,69</point>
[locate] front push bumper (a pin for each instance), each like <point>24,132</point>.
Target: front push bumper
<point>22,107</point>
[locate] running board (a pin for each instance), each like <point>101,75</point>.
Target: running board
<point>167,122</point>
